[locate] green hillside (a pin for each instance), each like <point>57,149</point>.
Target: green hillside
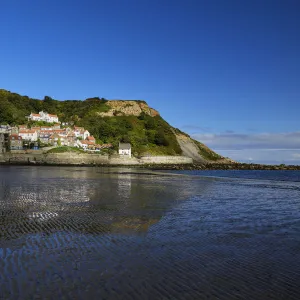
<point>108,121</point>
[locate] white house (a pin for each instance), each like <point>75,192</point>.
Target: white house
<point>84,144</point>
<point>35,117</point>
<point>28,135</point>
<point>43,116</point>
<point>80,132</point>
<point>125,149</point>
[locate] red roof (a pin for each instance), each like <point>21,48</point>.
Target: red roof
<point>53,116</point>
<point>26,131</point>
<point>87,143</point>
<point>46,131</point>
<point>106,145</point>
<point>15,136</point>
<point>78,128</point>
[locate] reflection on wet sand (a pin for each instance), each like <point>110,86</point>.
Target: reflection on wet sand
<point>85,200</point>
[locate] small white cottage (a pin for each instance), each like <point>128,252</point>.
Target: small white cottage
<point>125,149</point>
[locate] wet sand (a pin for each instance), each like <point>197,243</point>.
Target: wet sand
<point>107,233</point>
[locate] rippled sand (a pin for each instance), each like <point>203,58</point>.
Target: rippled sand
<point>91,233</point>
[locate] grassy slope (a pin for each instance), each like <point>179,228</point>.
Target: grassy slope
<point>148,135</point>
<point>64,149</point>
<point>207,153</point>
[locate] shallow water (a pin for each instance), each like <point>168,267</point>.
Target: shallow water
<point>91,233</point>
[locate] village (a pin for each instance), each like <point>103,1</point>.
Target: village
<point>54,134</point>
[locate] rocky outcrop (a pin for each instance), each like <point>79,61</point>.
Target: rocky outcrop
<point>128,108</point>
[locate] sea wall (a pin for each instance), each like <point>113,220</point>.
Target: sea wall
<point>87,159</point>
<point>54,158</point>
<point>166,160</point>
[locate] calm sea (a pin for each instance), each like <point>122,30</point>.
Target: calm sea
<point>96,233</point>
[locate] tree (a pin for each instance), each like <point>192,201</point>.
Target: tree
<point>125,139</point>
<point>160,139</point>
<point>150,123</point>
<point>48,99</point>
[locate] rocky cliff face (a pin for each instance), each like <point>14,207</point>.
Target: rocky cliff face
<point>128,108</point>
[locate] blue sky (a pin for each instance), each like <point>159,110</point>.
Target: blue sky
<point>226,72</point>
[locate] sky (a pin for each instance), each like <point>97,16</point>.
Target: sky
<point>225,72</point>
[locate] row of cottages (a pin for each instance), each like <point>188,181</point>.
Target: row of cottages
<point>55,137</point>
<point>90,144</point>
<point>43,116</point>
<point>28,135</point>
<point>55,126</point>
<point>53,134</point>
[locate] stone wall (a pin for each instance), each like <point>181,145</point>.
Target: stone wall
<point>55,158</point>
<point>166,160</point>
<point>123,160</point>
<point>88,159</point>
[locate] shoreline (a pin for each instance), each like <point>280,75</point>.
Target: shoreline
<point>232,166</point>
<point>164,166</point>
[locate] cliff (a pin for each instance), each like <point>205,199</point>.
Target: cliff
<point>128,108</point>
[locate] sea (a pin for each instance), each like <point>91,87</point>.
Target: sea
<point>124,233</point>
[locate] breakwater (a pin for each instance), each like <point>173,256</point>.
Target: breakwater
<point>224,166</point>
<point>88,159</point>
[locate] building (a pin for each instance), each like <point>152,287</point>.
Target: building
<point>56,140</point>
<point>14,130</point>
<point>23,127</point>
<point>77,130</point>
<point>91,139</point>
<point>85,144</point>
<point>56,126</point>
<point>37,129</point>
<point>34,117</point>
<point>86,134</point>
<point>60,131</point>
<point>125,149</point>
<point>28,135</point>
<point>44,128</point>
<point>16,142</point>
<point>70,139</point>
<point>43,116</point>
<point>3,142</point>
<point>80,132</point>
<point>45,135</point>
<point>106,146</point>
<point>5,129</point>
